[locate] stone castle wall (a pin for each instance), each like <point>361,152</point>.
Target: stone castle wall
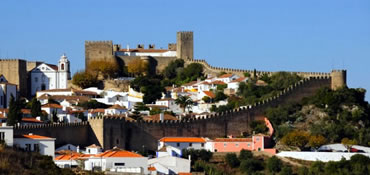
<point>15,71</point>
<point>138,135</point>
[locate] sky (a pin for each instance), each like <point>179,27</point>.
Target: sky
<point>268,35</point>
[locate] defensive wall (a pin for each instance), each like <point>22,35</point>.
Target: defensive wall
<point>15,71</point>
<point>137,135</point>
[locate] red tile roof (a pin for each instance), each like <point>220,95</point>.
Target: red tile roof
<point>183,139</point>
<point>118,153</point>
<point>225,75</point>
<point>217,82</point>
<point>209,94</point>
<point>26,111</point>
<point>239,79</point>
<point>98,110</point>
<point>55,67</point>
<point>117,107</point>
<point>190,83</point>
<point>33,136</point>
<point>51,105</point>
<point>31,120</point>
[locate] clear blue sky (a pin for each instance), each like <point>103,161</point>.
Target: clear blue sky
<point>291,35</point>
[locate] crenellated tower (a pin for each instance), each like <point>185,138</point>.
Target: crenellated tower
<point>98,50</point>
<point>185,45</point>
<point>338,79</point>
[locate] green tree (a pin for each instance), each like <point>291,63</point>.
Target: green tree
<point>92,104</point>
<point>258,126</point>
<point>184,102</point>
<point>296,138</point>
<point>206,99</point>
<point>81,116</point>
<point>155,111</point>
<point>274,164</point>
<point>15,114</point>
<point>139,106</point>
<point>35,107</point>
<point>84,79</point>
<point>251,165</point>
<point>170,72</point>
<point>232,160</point>
<point>220,96</point>
<point>54,117</point>
<point>138,67</point>
<point>286,170</point>
<point>316,141</point>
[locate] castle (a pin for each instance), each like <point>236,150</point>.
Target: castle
<point>137,135</point>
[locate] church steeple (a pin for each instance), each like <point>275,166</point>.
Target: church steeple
<point>63,65</point>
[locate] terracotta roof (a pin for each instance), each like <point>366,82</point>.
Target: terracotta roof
<point>179,89</point>
<point>180,173</point>
<point>239,80</point>
<point>225,75</point>
<point>183,139</point>
<point>118,153</point>
<point>51,105</point>
<point>156,117</point>
<point>64,97</point>
<point>72,156</point>
<point>117,107</point>
<point>98,110</point>
<point>31,120</point>
<point>6,110</point>
<point>151,168</point>
<point>55,67</point>
<point>26,111</point>
<point>209,94</point>
<point>144,50</point>
<point>233,140</point>
<point>33,136</point>
<point>217,82</point>
<point>190,83</point>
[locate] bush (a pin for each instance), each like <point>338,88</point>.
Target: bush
<point>232,160</point>
<point>296,138</point>
<point>258,126</point>
<point>251,165</point>
<point>245,155</point>
<point>85,80</point>
<point>287,170</point>
<point>274,164</point>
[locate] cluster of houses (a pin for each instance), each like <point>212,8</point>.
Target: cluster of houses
<point>168,158</point>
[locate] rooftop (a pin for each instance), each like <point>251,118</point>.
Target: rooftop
<point>33,136</point>
<point>183,139</point>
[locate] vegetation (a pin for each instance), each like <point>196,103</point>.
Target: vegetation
<point>195,155</point>
<point>258,126</point>
<point>85,79</point>
<point>35,107</point>
<point>232,160</point>
<point>150,86</point>
<point>184,102</point>
<point>15,114</point>
<point>138,67</point>
<point>14,162</point>
<point>104,68</point>
<point>176,73</point>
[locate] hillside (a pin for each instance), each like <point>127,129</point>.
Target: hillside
<point>337,116</point>
<point>18,162</point>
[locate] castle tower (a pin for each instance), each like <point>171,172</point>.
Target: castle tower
<point>185,45</point>
<point>98,50</point>
<point>64,73</point>
<point>338,79</point>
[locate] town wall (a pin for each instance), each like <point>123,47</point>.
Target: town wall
<point>98,50</point>
<point>74,133</point>
<point>15,71</point>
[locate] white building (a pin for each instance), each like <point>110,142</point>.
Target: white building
<point>6,134</point>
<point>93,149</point>
<point>226,78</point>
<point>115,110</point>
<point>48,76</point>
<point>6,91</point>
<point>67,147</point>
<point>117,160</point>
<point>180,143</point>
<point>170,165</point>
<point>43,145</point>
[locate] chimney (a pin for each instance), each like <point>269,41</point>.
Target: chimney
<point>30,134</point>
<point>161,116</point>
<point>78,149</point>
<point>151,46</point>
<point>128,48</point>
<point>3,124</point>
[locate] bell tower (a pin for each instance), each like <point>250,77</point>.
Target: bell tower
<point>64,73</point>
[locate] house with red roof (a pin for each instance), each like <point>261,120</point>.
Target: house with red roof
<point>32,142</point>
<point>177,144</point>
<point>226,78</point>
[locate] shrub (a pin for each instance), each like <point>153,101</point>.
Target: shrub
<point>245,155</point>
<point>232,160</point>
<point>251,165</point>
<point>274,164</point>
<point>84,80</point>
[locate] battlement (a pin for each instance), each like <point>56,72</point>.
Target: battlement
<point>11,59</point>
<point>55,125</point>
<point>99,42</point>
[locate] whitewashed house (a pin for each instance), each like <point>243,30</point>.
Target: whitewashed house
<point>180,143</point>
<point>93,149</point>
<point>48,76</point>
<point>50,108</point>
<point>235,83</point>
<point>226,78</point>
<point>170,165</point>
<point>68,146</point>
<point>31,142</point>
<point>115,110</point>
<point>6,91</point>
<point>6,134</point>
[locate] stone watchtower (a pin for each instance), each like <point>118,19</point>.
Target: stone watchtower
<point>338,79</point>
<point>185,45</point>
<point>98,50</point>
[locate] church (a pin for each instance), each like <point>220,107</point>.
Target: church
<point>48,76</point>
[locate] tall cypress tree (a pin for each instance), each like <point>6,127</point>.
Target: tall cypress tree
<point>35,107</point>
<point>15,114</point>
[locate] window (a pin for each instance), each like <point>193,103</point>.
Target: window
<point>62,66</point>
<point>28,147</point>
<point>36,147</point>
<point>69,147</point>
<point>178,144</point>
<point>249,144</point>
<point>119,164</point>
<point>2,135</point>
<point>202,144</point>
<point>225,144</point>
<point>190,144</point>
<point>237,144</point>
<point>258,139</point>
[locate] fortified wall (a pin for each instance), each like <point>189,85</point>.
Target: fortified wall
<point>137,135</point>
<point>15,71</point>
